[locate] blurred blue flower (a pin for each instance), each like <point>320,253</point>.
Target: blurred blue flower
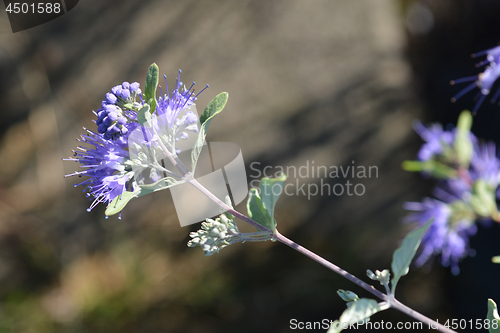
<point>436,140</point>
<point>448,236</point>
<point>484,164</point>
<point>485,80</point>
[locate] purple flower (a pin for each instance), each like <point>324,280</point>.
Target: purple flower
<point>170,107</point>
<point>485,80</point>
<point>123,155</point>
<point>436,140</point>
<point>485,165</point>
<point>448,235</point>
<point>114,119</point>
<point>105,165</point>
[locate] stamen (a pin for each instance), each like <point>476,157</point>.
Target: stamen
<point>463,92</point>
<point>166,86</point>
<point>474,55</point>
<point>201,91</point>
<point>482,63</point>
<point>178,81</point>
<point>464,79</point>
<point>495,96</point>
<point>478,104</point>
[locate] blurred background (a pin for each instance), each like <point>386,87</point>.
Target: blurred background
<point>326,81</point>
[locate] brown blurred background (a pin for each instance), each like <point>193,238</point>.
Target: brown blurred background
<point>325,81</point>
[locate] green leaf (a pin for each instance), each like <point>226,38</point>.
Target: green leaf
<point>119,203</point>
<point>214,107</point>
<point>493,316</point>
<point>496,260</point>
<point>359,311</point>
<point>463,144</point>
<point>144,116</point>
<point>151,86</point>
<point>483,199</point>
<point>403,256</point>
<point>256,210</point>
<point>162,184</point>
<point>347,295</point>
<point>435,168</point>
<point>270,190</point>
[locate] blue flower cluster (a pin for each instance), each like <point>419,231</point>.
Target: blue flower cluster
<point>464,197</point>
<point>485,80</point>
<point>106,156</point>
<point>171,106</point>
<point>105,163</point>
<point>116,117</point>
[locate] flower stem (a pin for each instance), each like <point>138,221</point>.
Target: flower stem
<point>394,303</point>
<point>222,204</point>
<point>391,301</point>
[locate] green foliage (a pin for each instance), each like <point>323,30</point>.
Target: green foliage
<point>383,277</point>
<point>261,205</point>
<point>357,312</point>
<point>360,310</point>
<point>213,108</point>
<point>162,184</point>
<point>483,199</point>
<point>151,86</point>
<point>119,203</point>
<point>463,144</point>
<point>434,168</point>
<point>403,256</point>
<point>257,211</point>
<point>444,165</point>
<point>270,190</point>
<point>347,295</point>
<point>493,316</point>
<point>144,116</point>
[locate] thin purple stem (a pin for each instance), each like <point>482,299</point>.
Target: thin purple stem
<point>222,204</point>
<point>394,303</point>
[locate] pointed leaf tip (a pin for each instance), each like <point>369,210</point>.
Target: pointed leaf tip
<point>215,106</point>
<point>119,203</point>
<point>151,85</point>
<point>403,256</point>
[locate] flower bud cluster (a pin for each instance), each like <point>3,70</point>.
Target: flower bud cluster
<point>215,235</point>
<point>117,110</point>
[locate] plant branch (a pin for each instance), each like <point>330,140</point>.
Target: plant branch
<point>391,301</point>
<point>222,204</point>
<point>394,303</point>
